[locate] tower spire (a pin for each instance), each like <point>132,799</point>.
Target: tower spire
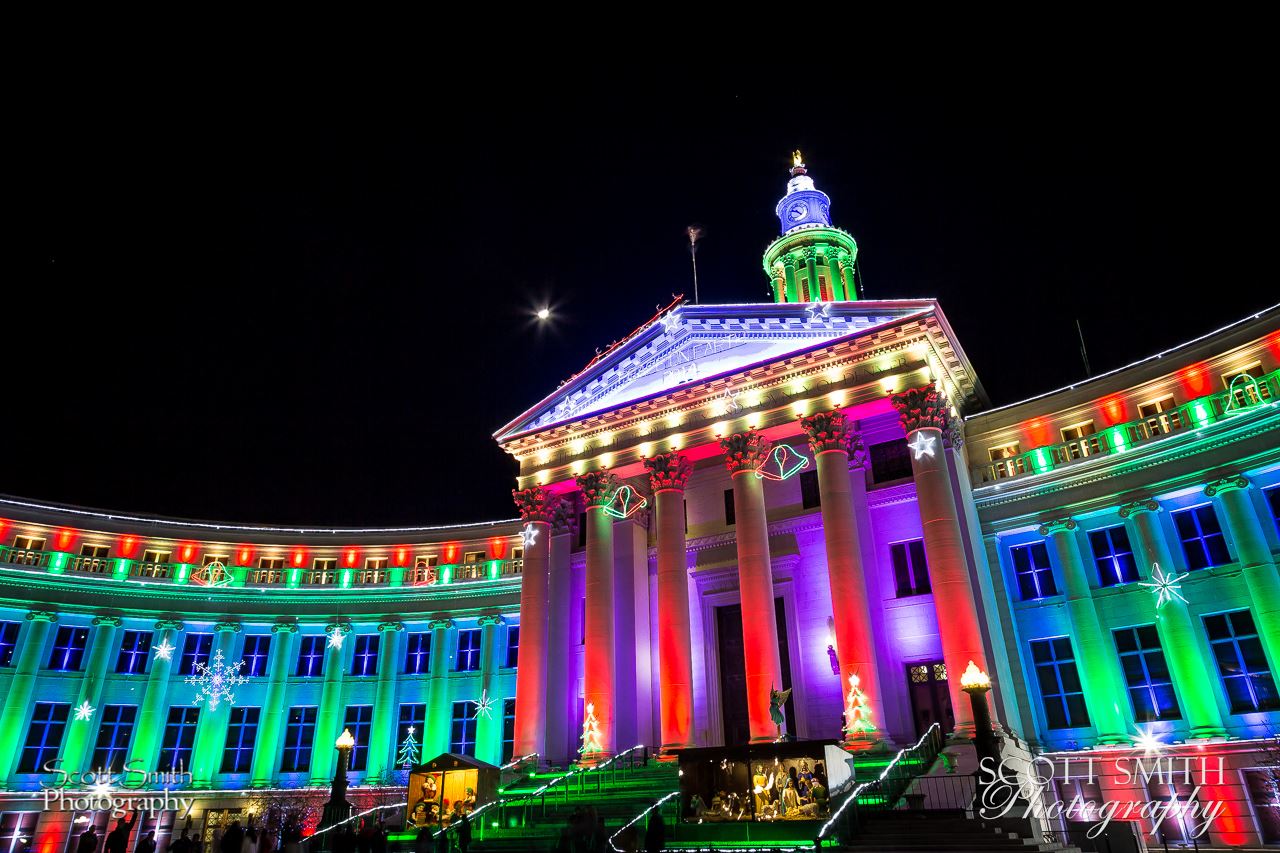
<point>812,261</point>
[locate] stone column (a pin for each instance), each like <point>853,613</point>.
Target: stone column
<point>211,728</point>
<point>1105,693</point>
<point>789,270</point>
<point>329,716</point>
<point>152,716</point>
<point>850,281</point>
<point>833,273</point>
<point>744,453</point>
<point>538,512</point>
<point>1256,563</point>
<point>599,676</point>
<point>271,717</point>
<point>81,733</point>
<point>435,738</point>
<point>811,268</point>
<point>489,725</point>
<point>386,714</point>
<point>668,476</point>
<point>1194,674</point>
<point>17,701</point>
<point>830,435</point>
<point>924,416</point>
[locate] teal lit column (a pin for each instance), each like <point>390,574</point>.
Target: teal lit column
<point>850,283</point>
<point>1104,690</point>
<point>811,268</point>
<point>833,273</point>
<point>789,268</point>
<point>13,720</point>
<point>211,728</point>
<point>1194,675</point>
<point>435,739</point>
<point>155,699</point>
<point>81,733</point>
<point>386,714</point>
<point>1256,563</point>
<point>271,717</point>
<point>489,725</point>
<point>329,717</point>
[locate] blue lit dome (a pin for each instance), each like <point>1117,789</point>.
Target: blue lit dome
<point>804,206</point>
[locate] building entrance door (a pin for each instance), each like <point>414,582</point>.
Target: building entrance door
<point>930,699</point>
<point>733,672</point>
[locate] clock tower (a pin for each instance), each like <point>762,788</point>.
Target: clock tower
<point>812,261</point>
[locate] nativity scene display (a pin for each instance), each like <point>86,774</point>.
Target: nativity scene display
<point>767,782</point>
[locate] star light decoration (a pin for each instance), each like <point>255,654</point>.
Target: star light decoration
<point>923,445</point>
<point>1149,742</point>
<point>670,321</point>
<point>1166,587</point>
<point>165,650</point>
<point>484,705</point>
<point>529,536</point>
<point>818,311</point>
<point>336,638</point>
<point>214,683</point>
<point>84,711</point>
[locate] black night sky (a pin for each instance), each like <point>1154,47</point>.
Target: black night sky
<point>264,303</point>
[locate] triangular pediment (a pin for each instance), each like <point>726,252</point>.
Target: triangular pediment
<point>694,343</point>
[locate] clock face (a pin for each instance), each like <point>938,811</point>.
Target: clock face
<point>798,211</point>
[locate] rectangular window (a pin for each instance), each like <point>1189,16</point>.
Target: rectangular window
<point>242,732</point>
<point>196,648</point>
<point>359,721</point>
<point>471,557</point>
<point>134,649</point>
<point>1059,682</point>
<point>462,734</point>
<point>417,653</point>
<point>44,736</point>
<point>274,563</point>
<point>93,558</point>
<point>508,729</point>
<point>1035,575</point>
<point>68,648</point>
<point>1242,664</point>
<point>1081,440</point>
<point>300,730</point>
<point>8,641</point>
<point>364,661</point>
<point>810,496</point>
<point>257,651</point>
<point>1160,416</point>
<point>468,659</point>
<point>17,830</point>
<point>1113,555</point>
<point>890,460</point>
<point>412,716</point>
<point>154,564</point>
<point>311,657</point>
<point>582,529</point>
<point>179,738</point>
<point>375,571</point>
<point>513,647</point>
<point>1202,541</point>
<point>26,551</point>
<point>730,513</point>
<point>1273,501</point>
<point>1244,388</point>
<point>1147,674</point>
<point>114,731</point>
<point>265,577</point>
<point>910,569</point>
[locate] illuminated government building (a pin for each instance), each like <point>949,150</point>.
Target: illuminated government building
<point>813,494</point>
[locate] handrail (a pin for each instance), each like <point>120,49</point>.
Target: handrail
<point>640,817</point>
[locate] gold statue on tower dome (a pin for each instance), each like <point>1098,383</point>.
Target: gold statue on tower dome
<point>797,163</point>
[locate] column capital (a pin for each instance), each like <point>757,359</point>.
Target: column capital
<point>536,504</point>
<point>1135,507</point>
<point>668,471</point>
<point>107,621</point>
<point>953,434</point>
<point>284,628</point>
<point>41,616</point>
<point>491,619</point>
<point>342,628</point>
<point>1066,524</point>
<point>439,624</point>
<point>1226,484</point>
<point>597,487</point>
<point>745,451</point>
<point>394,627</point>
<point>227,627</point>
<point>829,431</point>
<point>169,625</point>
<point>921,408</point>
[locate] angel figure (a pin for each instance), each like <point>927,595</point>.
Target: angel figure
<point>778,698</point>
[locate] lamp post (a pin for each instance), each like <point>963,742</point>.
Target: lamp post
<point>337,809</point>
<point>977,684</point>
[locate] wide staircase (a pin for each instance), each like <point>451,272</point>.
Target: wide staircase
<point>904,831</point>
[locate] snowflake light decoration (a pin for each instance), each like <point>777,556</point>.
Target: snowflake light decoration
<point>923,445</point>
<point>336,637</point>
<point>214,683</point>
<point>165,650</point>
<point>484,705</point>
<point>529,536</point>
<point>1166,587</point>
<point>84,711</point>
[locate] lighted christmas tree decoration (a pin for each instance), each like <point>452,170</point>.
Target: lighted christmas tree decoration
<point>923,445</point>
<point>529,535</point>
<point>165,650</point>
<point>484,705</point>
<point>410,752</point>
<point>214,683</point>
<point>590,732</point>
<point>1166,587</point>
<point>857,710</point>
<point>625,503</point>
<point>84,711</point>
<point>783,463</point>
